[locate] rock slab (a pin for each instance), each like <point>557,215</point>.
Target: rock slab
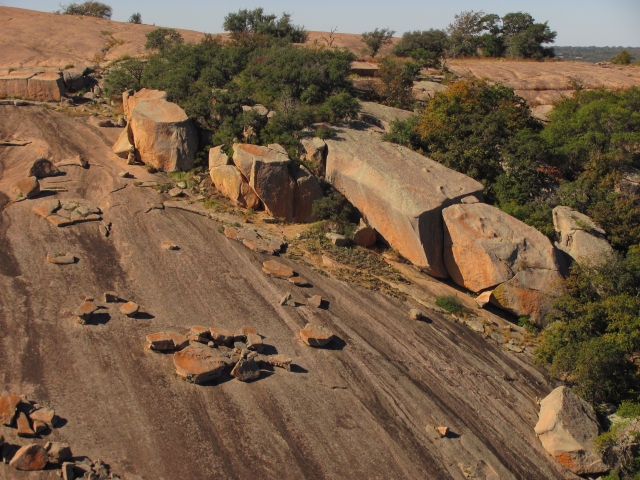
<point>30,458</point>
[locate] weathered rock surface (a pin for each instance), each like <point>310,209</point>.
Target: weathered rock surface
<point>131,99</point>
<point>567,427</point>
<point>415,314</point>
<point>280,361</point>
<point>26,188</point>
<point>30,458</point>
<point>277,269</point>
<point>197,365</point>
<point>44,87</point>
<point>315,301</point>
<point>23,426</point>
<point>43,168</point>
<point>267,170</point>
<point>67,212</point>
<point>231,183</point>
<point>381,116</point>
<point>580,237</point>
<point>221,336</point>
<point>315,149</point>
<point>316,335</point>
<point>485,247</point>
<point>399,192</point>
<point>86,310</point>
<point>163,135</point>
<point>298,281</point>
<point>166,341</point>
<point>217,157</point>
<point>46,415</point>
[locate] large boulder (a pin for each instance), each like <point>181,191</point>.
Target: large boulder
<point>231,183</point>
<point>217,157</point>
<point>8,407</point>
<point>30,458</point>
<point>567,427</point>
<point>43,168</point>
<point>485,247</point>
<point>124,145</point>
<point>15,84</point>
<point>197,365</point>
<point>399,192</point>
<point>381,116</point>
<point>28,187</point>
<point>579,236</point>
<point>163,135</point>
<point>307,191</point>
<point>267,169</point>
<point>46,87</point>
<point>314,153</point>
<point>74,78</point>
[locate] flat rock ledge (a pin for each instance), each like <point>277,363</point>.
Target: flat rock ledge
<point>62,213</point>
<point>316,335</point>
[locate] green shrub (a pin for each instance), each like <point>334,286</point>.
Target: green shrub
<point>87,9</point>
<point>135,18</point>
<point>425,47</point>
<point>628,409</point>
<point>451,304</point>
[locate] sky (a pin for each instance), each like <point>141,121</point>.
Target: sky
<point>578,22</point>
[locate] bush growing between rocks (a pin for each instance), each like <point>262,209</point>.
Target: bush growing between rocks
<point>451,304</point>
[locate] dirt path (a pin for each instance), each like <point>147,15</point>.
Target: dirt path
<point>365,408</point>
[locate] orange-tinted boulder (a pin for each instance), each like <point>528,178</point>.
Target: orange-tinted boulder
<point>232,184</point>
<point>23,426</point>
<point>277,269</point>
<point>8,405</point>
<point>221,335</point>
<point>15,84</point>
<point>197,365</point>
<point>124,145</point>
<point>130,309</point>
<point>28,187</point>
<point>399,192</point>
<point>166,341</point>
<point>316,335</point>
<point>217,157</point>
<point>46,415</point>
<point>46,87</point>
<point>364,236</point>
<point>280,361</point>
<point>163,135</point>
<point>567,427</point>
<point>267,170</point>
<point>485,246</point>
<point>130,99</point>
<point>30,458</point>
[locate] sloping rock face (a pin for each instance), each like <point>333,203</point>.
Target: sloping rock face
<point>163,135</point>
<point>399,192</point>
<point>580,237</point>
<point>484,247</point>
<point>44,87</point>
<point>567,427</point>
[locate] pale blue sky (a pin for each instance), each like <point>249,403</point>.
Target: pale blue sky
<point>578,22</point>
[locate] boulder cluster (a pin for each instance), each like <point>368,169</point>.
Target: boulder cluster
<point>29,186</point>
<point>21,418</point>
<point>84,313</point>
<point>158,133</point>
<point>63,213</point>
<point>256,177</point>
<point>203,354</point>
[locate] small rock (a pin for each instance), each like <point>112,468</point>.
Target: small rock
<point>124,174</point>
<point>181,185</point>
<point>316,335</point>
<point>244,331</point>
<point>43,168</point>
<point>86,310</point>
<point>246,370</point>
<point>337,239</point>
<point>254,342</point>
<point>299,281</point>
<point>46,415</point>
<point>443,431</point>
<point>221,336</point>
<point>47,207</point>
<point>176,192</point>
<point>130,309</point>
<point>277,269</point>
<point>169,245</point>
<point>201,333</point>
<point>475,325</point>
<point>211,344</point>
<point>166,341</point>
<point>22,424</point>
<point>131,158</point>
<point>280,361</point>
<point>513,348</point>
<point>26,188</point>
<point>30,458</point>
<point>287,300</point>
<point>61,258</point>
<point>110,297</point>
<point>415,314</point>
<point>315,301</point>
<point>469,199</point>
<point>231,233</point>
<point>58,452</point>
<point>364,236</point>
<point>239,346</point>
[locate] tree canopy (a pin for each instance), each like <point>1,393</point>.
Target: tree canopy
<point>376,39</point>
<point>87,9</point>
<point>247,23</point>
<point>426,47</point>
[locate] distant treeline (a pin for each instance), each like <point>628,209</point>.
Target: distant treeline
<point>594,54</point>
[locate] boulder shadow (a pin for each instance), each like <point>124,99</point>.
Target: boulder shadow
<point>324,305</point>
<point>101,318</point>
<point>295,368</point>
<point>451,434</point>
<point>268,349</point>
<point>143,316</point>
<point>336,343</point>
